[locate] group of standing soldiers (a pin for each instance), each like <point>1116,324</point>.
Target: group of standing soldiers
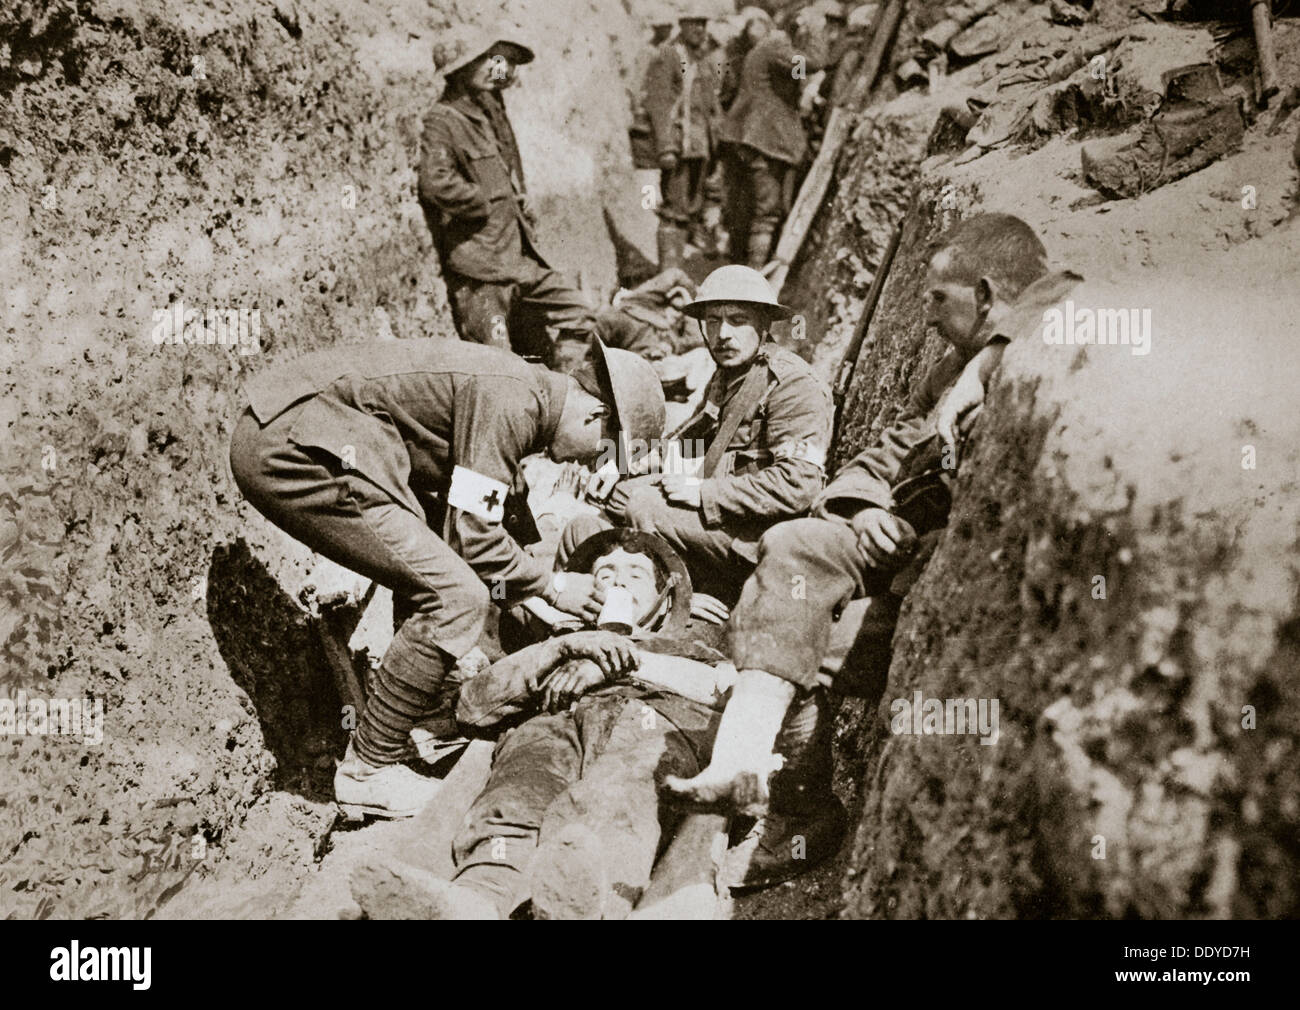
<point>728,126</point>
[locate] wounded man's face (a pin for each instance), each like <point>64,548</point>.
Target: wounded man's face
<point>633,572</point>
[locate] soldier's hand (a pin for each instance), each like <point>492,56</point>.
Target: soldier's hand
<point>667,162</point>
<point>569,683</point>
<point>709,608</point>
<point>883,538</point>
<point>575,594</point>
<point>681,490</point>
<point>613,653</point>
<point>958,410</point>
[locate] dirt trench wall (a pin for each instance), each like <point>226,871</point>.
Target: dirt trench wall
<point>246,155</point>
<point>1149,722</point>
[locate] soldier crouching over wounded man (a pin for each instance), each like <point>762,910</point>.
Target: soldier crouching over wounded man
<point>570,817</point>
<point>988,283</point>
<point>401,460</point>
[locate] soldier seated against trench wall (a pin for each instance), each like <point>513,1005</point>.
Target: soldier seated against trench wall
<point>876,522</point>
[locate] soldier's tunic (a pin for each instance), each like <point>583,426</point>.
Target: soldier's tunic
<point>765,141</point>
<point>471,184</point>
<point>787,637</point>
<point>354,451</point>
<point>680,97</point>
<point>772,470</point>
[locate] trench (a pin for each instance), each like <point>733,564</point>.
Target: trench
<point>281,179</point>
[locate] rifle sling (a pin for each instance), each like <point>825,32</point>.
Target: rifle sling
<point>741,406</point>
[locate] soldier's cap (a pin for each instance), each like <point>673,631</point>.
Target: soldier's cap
<point>630,387</point>
<point>736,283</point>
<point>461,45</point>
<point>670,570</point>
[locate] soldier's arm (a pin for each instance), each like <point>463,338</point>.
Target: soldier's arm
<point>662,81</point>
<point>441,182</point>
<point>495,427</point>
<point>798,431</point>
<point>506,688</point>
<point>512,686</point>
<point>784,57</point>
<point>867,480</point>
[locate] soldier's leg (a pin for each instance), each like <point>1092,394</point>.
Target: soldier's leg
<point>548,299</point>
<point>806,822</point>
<point>769,198</point>
<point>601,835</point>
<point>481,310</point>
<point>339,514</point>
<point>712,227</point>
<point>702,547</point>
<point>674,214</point>
<point>696,180</point>
<point>532,765</point>
<point>737,204</point>
<point>779,629</point>
<point>578,530</point>
<point>807,570</point>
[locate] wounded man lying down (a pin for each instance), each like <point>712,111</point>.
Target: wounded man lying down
<point>570,816</point>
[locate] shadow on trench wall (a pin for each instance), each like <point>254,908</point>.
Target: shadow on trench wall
<point>274,654</point>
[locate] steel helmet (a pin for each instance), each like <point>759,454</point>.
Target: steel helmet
<point>460,46</point>
<point>670,570</point>
<point>633,385</point>
<point>736,283</point>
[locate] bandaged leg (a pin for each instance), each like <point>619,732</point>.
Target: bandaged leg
<point>743,752</point>
<point>778,633</point>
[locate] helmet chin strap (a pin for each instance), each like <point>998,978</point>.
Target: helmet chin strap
<point>659,608</point>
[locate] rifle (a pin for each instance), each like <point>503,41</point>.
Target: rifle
<point>850,360</point>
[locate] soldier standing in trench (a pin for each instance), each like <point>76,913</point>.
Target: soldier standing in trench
<point>765,139</point>
<point>471,183</point>
<point>681,99</point>
<point>357,451</point>
<point>641,132</point>
<point>987,283</point>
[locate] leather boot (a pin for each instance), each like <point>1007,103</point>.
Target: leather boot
<point>391,791</point>
<point>671,241</point>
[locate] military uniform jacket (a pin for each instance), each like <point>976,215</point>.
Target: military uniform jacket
<point>403,414</point>
<point>684,124</point>
<point>765,113</point>
<point>775,462</point>
<point>868,480</point>
<point>471,184</point>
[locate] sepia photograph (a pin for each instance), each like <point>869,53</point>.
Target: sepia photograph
<point>650,460</point>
